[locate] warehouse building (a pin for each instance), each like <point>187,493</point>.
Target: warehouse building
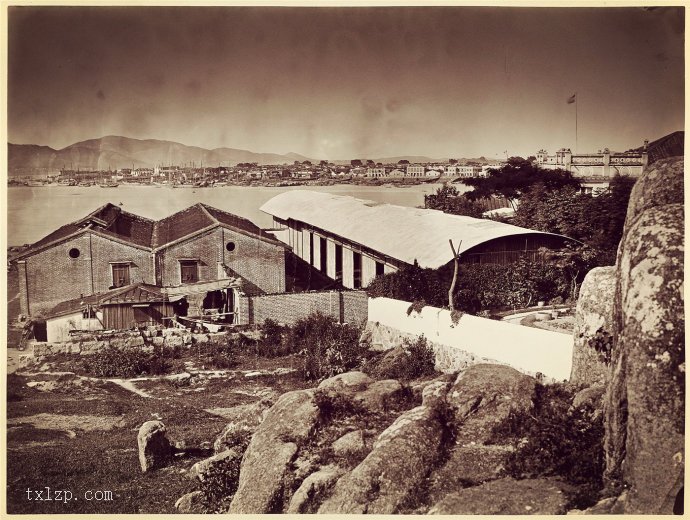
<point>353,241</point>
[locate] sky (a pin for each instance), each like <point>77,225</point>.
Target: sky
<point>338,83</point>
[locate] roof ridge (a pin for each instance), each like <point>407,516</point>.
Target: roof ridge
<point>207,212</point>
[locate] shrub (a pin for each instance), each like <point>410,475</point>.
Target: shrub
<point>118,362</point>
<point>220,482</point>
<point>329,348</point>
<point>602,342</point>
<point>224,355</point>
<point>416,359</point>
<point>556,439</point>
<point>334,406</point>
<point>131,361</point>
<point>273,339</point>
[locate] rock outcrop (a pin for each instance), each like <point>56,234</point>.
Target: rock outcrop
<point>507,497</point>
<point>424,455</point>
<point>644,403</point>
<point>593,315</point>
<point>243,422</point>
<point>154,447</point>
<point>273,448</point>
<point>399,460</point>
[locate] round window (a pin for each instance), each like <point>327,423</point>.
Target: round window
<point>230,246</point>
<point>74,253</point>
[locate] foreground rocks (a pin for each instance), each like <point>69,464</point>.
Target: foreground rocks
<point>155,449</point>
<point>594,314</point>
<point>425,454</point>
<point>265,467</point>
<point>644,399</point>
<point>507,497</point>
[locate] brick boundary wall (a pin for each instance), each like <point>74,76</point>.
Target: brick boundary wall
<point>288,308</point>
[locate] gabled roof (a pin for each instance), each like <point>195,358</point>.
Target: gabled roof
<point>111,221</point>
<point>179,225</point>
<point>198,218</point>
<point>403,233</point>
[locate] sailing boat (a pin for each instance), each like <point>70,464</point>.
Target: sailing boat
<point>108,184</point>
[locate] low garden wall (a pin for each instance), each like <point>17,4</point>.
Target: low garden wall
<point>93,342</point>
<point>471,339</point>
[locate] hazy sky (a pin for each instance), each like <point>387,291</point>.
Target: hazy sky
<point>348,82</point>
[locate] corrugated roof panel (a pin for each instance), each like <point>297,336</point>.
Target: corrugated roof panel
<point>404,233</point>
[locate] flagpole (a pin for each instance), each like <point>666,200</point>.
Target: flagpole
<point>575,122</point>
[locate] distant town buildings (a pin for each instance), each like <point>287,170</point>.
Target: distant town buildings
<point>603,163</point>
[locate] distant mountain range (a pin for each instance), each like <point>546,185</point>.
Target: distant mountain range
<point>115,152</point>
<point>123,152</point>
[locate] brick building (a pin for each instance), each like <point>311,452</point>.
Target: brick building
<point>112,248</point>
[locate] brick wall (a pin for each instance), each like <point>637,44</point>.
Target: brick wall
<point>345,306</point>
<point>105,251</point>
<point>53,276</point>
<point>255,260</point>
<point>205,248</point>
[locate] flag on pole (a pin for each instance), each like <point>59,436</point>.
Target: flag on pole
<point>571,99</point>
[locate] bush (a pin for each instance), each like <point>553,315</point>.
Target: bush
<point>422,359</point>
<point>118,362</point>
<point>131,361</point>
<point>273,339</point>
<point>220,482</point>
<point>329,348</point>
<point>555,439</point>
<point>334,406</point>
<point>417,359</point>
<point>224,355</point>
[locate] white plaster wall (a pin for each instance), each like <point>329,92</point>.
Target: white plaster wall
<point>330,246</point>
<point>527,349</point>
<point>348,268</point>
<point>368,270</point>
<point>317,251</point>
<point>57,329</point>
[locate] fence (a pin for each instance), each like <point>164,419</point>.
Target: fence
<point>287,308</point>
<point>472,339</point>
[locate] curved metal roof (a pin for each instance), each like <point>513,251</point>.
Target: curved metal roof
<point>404,233</point>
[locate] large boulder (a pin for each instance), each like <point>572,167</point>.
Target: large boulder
<point>275,444</point>
<point>154,447</point>
<point>644,401</point>
<point>397,464</point>
<point>220,462</point>
<point>645,446</point>
<point>350,444</point>
<point>468,465</point>
<point>484,395</point>
<point>313,488</point>
<point>507,497</point>
<point>593,316</point>
<point>243,422</point>
<point>660,185</point>
<point>191,503</point>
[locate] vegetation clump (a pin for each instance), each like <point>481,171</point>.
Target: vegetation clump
<point>556,439</point>
<point>130,361</point>
<point>329,348</point>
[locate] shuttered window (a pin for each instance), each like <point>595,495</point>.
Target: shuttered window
<point>120,275</point>
<point>189,270</point>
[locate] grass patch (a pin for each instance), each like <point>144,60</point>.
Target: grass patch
<point>556,440</point>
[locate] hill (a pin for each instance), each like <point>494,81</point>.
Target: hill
<point>124,152</point>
